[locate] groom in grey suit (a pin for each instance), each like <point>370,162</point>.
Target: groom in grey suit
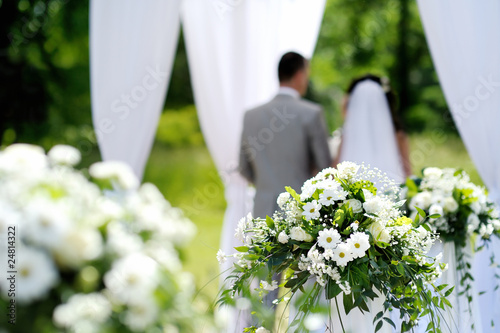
<point>284,142</point>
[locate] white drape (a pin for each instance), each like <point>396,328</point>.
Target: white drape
<point>233,49</point>
<point>132,47</point>
<point>464,39</point>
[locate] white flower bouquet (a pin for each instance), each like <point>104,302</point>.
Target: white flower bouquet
<point>458,207</point>
<point>463,217</point>
<point>89,258</point>
<point>349,239</point>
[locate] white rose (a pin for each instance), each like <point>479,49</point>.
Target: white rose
<point>379,232</point>
<point>450,205</point>
<point>355,205</point>
<point>283,237</point>
<point>299,234</point>
<point>433,172</point>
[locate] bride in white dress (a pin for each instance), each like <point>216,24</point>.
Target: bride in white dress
<point>372,132</point>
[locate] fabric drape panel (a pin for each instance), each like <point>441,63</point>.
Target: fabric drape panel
<point>132,48</point>
<point>233,49</point>
<point>464,39</point>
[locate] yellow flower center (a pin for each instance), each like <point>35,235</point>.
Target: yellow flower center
<point>24,272</point>
<point>312,210</point>
<point>329,198</point>
<point>341,254</point>
<point>329,239</point>
<point>357,245</point>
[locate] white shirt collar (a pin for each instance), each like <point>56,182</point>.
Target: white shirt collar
<point>289,91</point>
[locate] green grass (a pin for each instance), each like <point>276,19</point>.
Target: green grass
<point>440,150</point>
<point>188,179</point>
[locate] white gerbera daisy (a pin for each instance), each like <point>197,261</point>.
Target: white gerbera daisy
<point>78,246</point>
<point>46,223</point>
<point>329,238</point>
<point>36,275</point>
<point>119,172</point>
<point>93,308</point>
<point>141,314</point>
<point>359,243</point>
<point>329,196</point>
<point>311,210</point>
<point>132,277</point>
<point>342,254</point>
<point>63,154</point>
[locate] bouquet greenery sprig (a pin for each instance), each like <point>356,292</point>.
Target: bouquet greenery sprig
<point>349,240</point>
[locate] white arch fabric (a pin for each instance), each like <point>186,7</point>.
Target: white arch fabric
<point>464,39</point>
<point>132,47</point>
<point>233,49</point>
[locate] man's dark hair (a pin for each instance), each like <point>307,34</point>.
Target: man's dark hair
<point>290,64</point>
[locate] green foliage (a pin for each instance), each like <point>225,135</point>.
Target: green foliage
<point>384,37</point>
<point>180,128</point>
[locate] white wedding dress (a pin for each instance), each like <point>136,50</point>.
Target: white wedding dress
<point>368,134</point>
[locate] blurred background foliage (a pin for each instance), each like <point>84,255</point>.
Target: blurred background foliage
<point>45,97</point>
<point>45,69</point>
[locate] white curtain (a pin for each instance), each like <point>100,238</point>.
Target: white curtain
<point>132,47</point>
<point>234,47</point>
<point>464,39</point>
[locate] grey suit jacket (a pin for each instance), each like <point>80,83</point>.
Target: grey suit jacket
<point>282,142</point>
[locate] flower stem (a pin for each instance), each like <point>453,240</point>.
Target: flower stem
<point>340,318</point>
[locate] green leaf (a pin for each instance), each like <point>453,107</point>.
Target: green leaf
<point>434,216</point>
<point>400,269</point>
<point>241,248</point>
<point>412,186</point>
<point>293,193</point>
<point>348,303</point>
<point>390,322</point>
<point>270,222</point>
<point>379,326</point>
<point>421,212</point>
<point>448,292</point>
<point>332,289</point>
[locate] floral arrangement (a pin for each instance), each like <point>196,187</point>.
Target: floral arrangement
<point>98,256</point>
<point>460,208</point>
<point>349,239</point>
<point>459,211</point>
